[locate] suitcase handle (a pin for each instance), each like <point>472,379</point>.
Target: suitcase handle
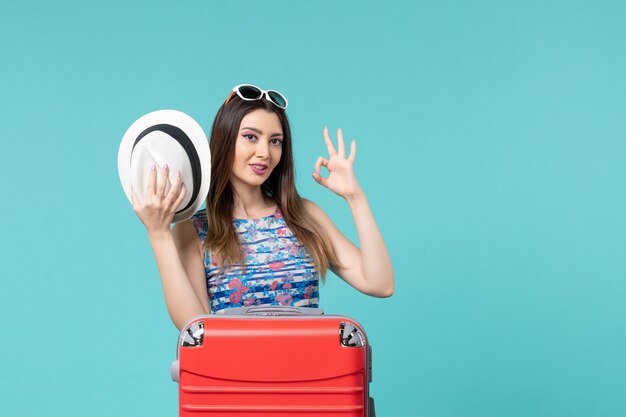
<point>270,310</point>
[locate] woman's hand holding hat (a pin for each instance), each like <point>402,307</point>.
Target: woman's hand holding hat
<point>153,139</point>
<point>159,206</point>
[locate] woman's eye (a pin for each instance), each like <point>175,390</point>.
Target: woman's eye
<point>249,136</point>
<point>276,142</point>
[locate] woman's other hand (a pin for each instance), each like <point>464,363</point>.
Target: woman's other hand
<point>158,208</point>
<point>341,179</point>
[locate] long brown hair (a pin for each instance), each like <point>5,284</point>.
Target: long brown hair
<point>222,239</point>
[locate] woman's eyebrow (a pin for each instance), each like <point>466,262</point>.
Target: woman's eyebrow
<point>259,131</point>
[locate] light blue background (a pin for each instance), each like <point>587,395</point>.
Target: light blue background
<point>491,143</point>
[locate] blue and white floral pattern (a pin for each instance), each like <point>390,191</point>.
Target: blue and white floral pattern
<point>280,270</point>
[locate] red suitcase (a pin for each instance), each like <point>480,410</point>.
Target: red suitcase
<point>273,361</point>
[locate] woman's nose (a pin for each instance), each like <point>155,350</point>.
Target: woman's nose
<point>262,149</point>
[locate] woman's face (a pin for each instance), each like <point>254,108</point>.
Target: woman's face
<point>258,148</point>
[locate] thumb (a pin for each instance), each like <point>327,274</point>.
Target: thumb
<point>134,199</point>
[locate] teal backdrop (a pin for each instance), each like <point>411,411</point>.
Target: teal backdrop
<point>491,143</point>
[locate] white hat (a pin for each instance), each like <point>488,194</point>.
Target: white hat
<point>166,137</point>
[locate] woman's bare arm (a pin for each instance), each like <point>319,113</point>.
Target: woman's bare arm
<point>177,252</point>
<point>368,269</point>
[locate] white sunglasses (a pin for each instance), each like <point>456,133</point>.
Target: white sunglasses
<point>251,92</point>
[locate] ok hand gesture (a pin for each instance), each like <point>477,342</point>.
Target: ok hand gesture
<point>341,179</point>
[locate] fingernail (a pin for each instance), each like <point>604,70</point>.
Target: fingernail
<point>178,174</point>
<point>153,167</point>
<point>165,167</point>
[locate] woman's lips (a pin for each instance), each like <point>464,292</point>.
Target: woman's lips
<point>259,169</point>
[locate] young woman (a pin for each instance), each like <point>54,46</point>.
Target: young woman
<point>258,241</point>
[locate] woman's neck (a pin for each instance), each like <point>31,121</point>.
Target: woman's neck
<point>250,202</point>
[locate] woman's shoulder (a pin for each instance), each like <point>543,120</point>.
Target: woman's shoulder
<point>198,222</point>
<point>318,214</point>
<point>313,209</point>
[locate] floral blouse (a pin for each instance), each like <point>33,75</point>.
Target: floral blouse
<point>280,271</point>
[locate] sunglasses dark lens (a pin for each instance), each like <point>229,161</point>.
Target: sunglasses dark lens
<point>250,92</point>
<point>277,98</point>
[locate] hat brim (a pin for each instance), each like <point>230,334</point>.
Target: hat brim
<point>200,146</point>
